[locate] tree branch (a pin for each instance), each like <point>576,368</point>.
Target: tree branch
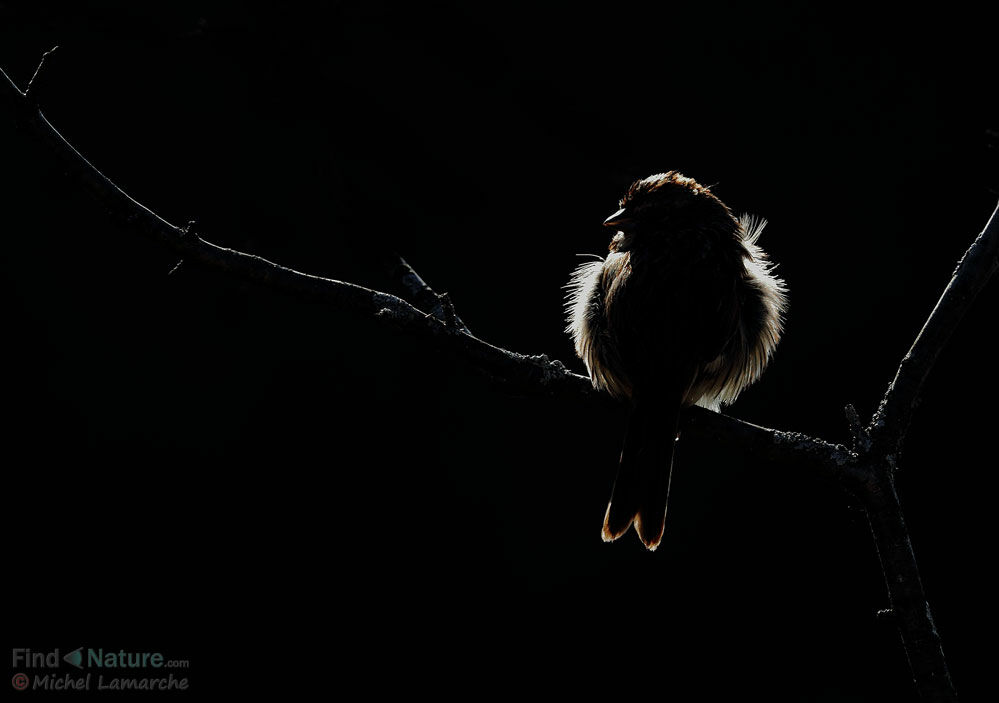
<point>527,374</point>
<point>423,296</point>
<point>920,639</point>
<point>880,443</point>
<point>866,470</point>
<point>778,446</point>
<point>534,375</point>
<point>973,271</point>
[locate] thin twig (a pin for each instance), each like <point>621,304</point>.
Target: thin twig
<point>861,437</point>
<point>423,296</point>
<point>31,90</point>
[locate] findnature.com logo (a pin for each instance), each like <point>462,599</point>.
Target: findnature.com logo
<point>97,670</point>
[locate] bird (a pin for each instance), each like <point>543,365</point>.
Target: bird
<point>685,309</point>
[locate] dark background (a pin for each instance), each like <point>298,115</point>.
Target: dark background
<point>303,502</point>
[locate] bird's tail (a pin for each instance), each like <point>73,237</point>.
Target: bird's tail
<point>641,490</point>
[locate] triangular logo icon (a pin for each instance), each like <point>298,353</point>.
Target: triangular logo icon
<point>75,658</point>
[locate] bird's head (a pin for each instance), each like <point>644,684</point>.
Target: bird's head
<point>665,203</point>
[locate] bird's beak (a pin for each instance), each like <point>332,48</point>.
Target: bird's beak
<point>620,219</point>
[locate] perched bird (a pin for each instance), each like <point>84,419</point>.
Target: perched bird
<point>685,310</point>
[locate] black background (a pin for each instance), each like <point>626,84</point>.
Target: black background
<point>300,501</point>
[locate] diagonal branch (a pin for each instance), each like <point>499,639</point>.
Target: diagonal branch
<point>973,271</point>
<point>524,373</point>
<point>521,373</point>
<point>879,444</point>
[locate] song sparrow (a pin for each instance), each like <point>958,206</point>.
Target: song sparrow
<point>684,310</point>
